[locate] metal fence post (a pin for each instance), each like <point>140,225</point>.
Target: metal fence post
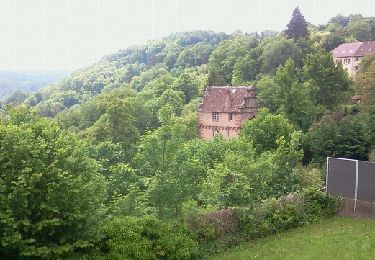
<point>356,185</point>
<point>327,174</point>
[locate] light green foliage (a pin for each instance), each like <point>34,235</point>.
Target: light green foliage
<point>329,84</point>
<point>165,188</point>
<point>188,84</point>
<point>276,51</point>
<point>258,165</point>
<point>360,29</point>
<point>268,94</point>
<point>246,70</point>
<point>51,194</point>
<point>139,82</point>
<point>310,178</point>
<point>244,178</point>
<point>225,56</point>
<point>294,97</point>
<point>148,238</point>
<point>196,55</point>
<point>116,125</point>
<point>265,130</point>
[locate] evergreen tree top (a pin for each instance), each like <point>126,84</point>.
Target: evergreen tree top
<point>297,26</point>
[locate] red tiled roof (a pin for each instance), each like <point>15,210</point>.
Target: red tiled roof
<point>354,49</point>
<point>225,99</point>
<point>356,97</point>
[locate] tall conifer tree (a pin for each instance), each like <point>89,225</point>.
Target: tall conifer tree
<point>297,26</point>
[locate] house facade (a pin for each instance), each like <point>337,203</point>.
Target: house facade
<point>351,54</point>
<point>224,109</point>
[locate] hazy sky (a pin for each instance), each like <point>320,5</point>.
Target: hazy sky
<point>68,34</point>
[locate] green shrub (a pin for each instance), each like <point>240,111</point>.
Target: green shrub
<point>293,210</point>
<point>148,238</point>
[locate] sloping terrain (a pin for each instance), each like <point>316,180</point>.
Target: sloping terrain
<point>335,238</point>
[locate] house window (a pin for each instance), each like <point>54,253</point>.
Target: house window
<point>346,61</point>
<point>230,116</point>
<point>356,68</point>
<point>357,59</point>
<point>215,117</point>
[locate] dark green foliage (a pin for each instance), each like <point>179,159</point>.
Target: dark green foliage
<point>51,194</point>
<point>277,51</point>
<point>148,238</point>
<point>320,140</point>
<point>297,26</point>
<point>350,137</point>
<point>340,20</point>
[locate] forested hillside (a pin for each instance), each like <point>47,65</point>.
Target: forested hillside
<point>14,85</point>
<point>107,162</point>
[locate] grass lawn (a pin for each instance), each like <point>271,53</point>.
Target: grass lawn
<point>334,238</point>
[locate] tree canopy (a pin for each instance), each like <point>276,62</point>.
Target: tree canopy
<point>297,26</point>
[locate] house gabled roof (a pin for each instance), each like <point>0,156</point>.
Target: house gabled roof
<point>225,99</point>
<point>354,49</point>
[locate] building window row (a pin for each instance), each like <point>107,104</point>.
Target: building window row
<point>215,117</point>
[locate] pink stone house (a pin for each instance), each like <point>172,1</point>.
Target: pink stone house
<point>223,110</point>
<point>351,54</point>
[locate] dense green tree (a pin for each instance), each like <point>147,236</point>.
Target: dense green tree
<point>245,177</point>
<point>320,141</point>
<point>360,29</point>
<point>196,55</point>
<point>329,84</point>
<point>268,94</point>
<point>352,139</point>
<point>340,20</point>
<point>245,70</point>
<point>266,129</point>
<point>297,26</point>
<point>365,81</point>
<point>51,194</point>
<point>277,51</point>
<point>225,56</point>
<point>188,84</point>
<point>116,125</point>
<point>296,103</point>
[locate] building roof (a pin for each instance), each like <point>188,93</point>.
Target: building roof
<point>356,97</point>
<point>225,99</point>
<point>354,49</point>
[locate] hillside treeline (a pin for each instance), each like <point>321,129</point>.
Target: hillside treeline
<point>107,162</point>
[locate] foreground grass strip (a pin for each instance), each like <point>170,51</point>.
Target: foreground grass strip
<point>334,238</point>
